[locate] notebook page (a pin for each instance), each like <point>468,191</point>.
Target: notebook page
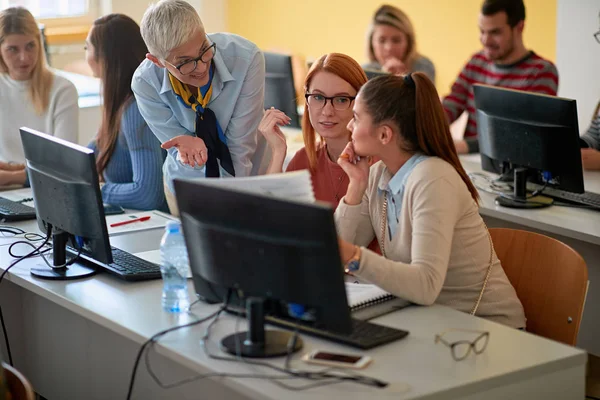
<point>360,293</point>
<point>288,186</point>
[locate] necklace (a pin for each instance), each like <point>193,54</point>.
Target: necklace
<point>340,180</point>
<point>340,184</point>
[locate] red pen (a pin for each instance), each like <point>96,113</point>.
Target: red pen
<point>129,221</point>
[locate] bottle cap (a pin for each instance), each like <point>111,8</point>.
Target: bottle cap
<point>172,226</point>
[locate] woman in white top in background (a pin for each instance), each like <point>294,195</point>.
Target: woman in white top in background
<point>31,95</point>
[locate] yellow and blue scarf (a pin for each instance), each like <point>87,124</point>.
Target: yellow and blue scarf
<point>207,126</point>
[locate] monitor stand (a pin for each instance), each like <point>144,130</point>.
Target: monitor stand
<point>520,199</point>
<point>258,342</point>
<point>59,257</point>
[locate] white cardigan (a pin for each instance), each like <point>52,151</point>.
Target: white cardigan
<point>440,252</point>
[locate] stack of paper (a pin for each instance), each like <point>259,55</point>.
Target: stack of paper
<point>289,185</point>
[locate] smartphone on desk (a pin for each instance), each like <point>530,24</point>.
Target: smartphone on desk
<point>337,359</point>
<point>111,209</point>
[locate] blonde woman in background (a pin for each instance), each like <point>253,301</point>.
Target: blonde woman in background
<point>31,95</point>
<point>392,47</point>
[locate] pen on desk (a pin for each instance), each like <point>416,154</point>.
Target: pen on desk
<point>129,221</point>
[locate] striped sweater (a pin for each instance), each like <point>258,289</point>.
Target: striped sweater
<point>592,136</point>
<point>532,73</point>
<point>133,174</point>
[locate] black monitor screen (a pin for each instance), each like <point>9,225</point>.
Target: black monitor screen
<point>531,130</point>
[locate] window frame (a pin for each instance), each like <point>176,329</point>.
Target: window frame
<point>76,21</point>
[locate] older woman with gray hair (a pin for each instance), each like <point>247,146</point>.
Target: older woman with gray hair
<point>201,94</point>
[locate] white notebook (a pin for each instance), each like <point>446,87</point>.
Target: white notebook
<point>364,295</point>
<point>288,185</point>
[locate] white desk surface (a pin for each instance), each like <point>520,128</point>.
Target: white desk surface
<point>512,358</point>
<point>576,223</point>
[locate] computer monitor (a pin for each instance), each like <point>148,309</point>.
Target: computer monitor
<point>68,203</point>
<point>535,135</point>
<point>280,91</point>
<point>372,73</point>
<point>271,250</point>
<point>44,41</point>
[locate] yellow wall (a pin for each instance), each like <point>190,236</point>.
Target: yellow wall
<point>446,29</point>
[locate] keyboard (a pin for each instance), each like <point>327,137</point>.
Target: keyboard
<point>365,335</point>
<point>12,211</point>
<point>126,266</point>
<point>586,198</point>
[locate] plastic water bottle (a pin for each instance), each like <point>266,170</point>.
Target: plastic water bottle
<point>174,268</point>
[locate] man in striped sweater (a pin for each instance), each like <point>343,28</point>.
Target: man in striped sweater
<point>590,143</point>
<point>504,61</point>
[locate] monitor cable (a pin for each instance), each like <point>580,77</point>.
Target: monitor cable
<point>25,200</point>
<point>504,190</point>
<point>323,377</point>
<point>35,251</point>
<point>158,335</point>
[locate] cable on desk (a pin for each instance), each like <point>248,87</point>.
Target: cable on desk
<point>324,377</point>
<point>14,231</point>
<point>155,337</point>
<point>496,188</point>
<point>555,203</point>
<point>35,251</point>
<point>18,260</point>
<point>25,200</point>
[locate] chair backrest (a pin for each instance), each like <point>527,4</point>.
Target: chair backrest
<point>19,386</point>
<point>550,278</point>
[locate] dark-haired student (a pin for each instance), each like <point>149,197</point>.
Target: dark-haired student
<point>129,158</point>
<point>419,203</point>
<point>504,61</point>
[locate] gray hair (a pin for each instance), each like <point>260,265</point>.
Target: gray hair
<point>168,24</point>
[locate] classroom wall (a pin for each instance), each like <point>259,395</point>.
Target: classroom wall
<point>213,14</point>
<point>578,55</point>
<point>212,11</point>
<point>446,31</point>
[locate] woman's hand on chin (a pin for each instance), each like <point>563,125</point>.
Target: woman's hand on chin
<point>357,169</point>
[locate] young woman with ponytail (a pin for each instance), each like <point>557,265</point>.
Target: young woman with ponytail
<point>420,205</point>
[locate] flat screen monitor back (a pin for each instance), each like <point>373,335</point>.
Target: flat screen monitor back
<point>266,247</point>
<point>66,192</point>
<point>280,91</point>
<point>531,130</point>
